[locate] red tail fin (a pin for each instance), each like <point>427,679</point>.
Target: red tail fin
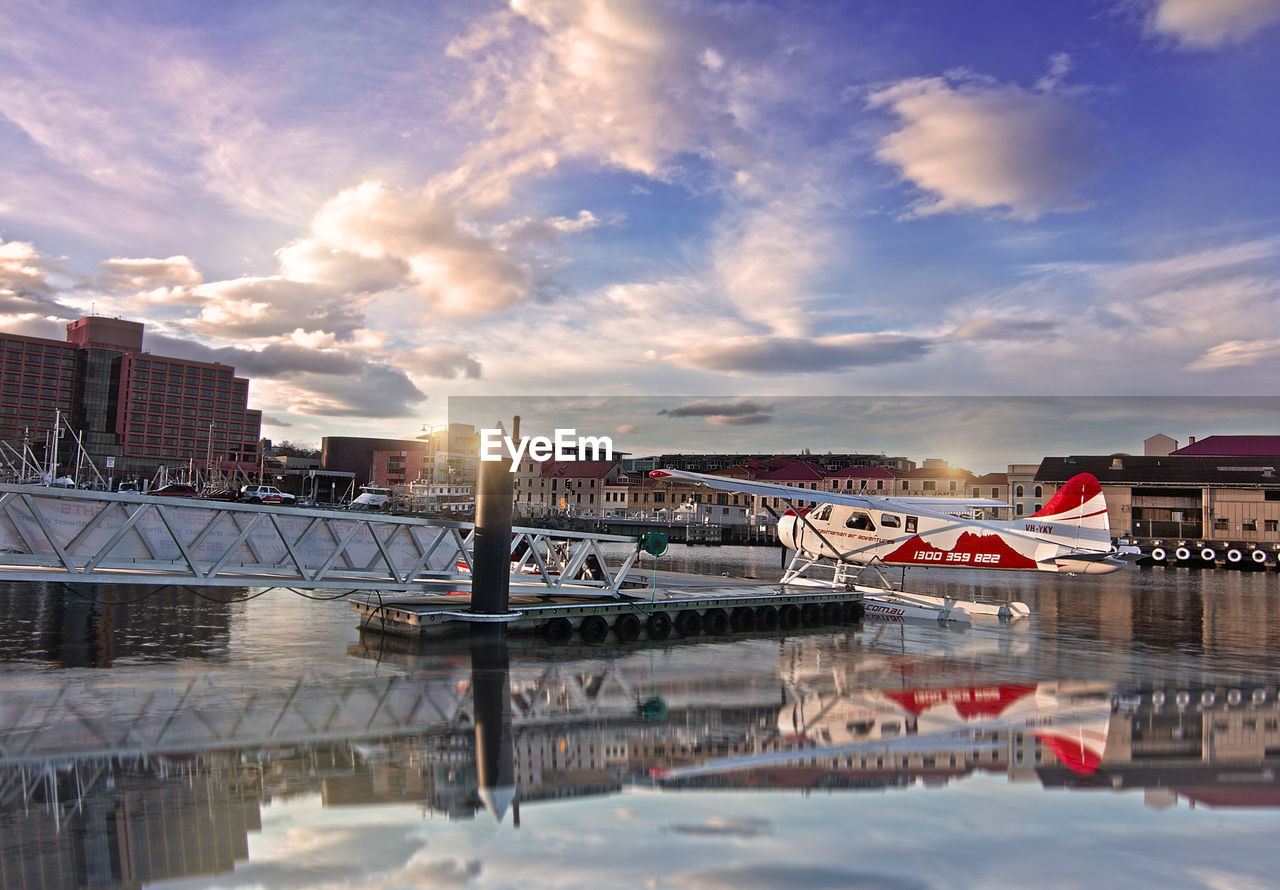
<point>1074,494</point>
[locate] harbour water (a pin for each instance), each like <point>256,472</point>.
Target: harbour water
<point>254,740</point>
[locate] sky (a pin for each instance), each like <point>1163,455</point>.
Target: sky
<point>370,208</point>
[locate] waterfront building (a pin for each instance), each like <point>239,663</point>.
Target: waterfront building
<point>1159,445</point>
<point>457,453</point>
<point>1182,498</point>
<point>936,478</point>
<point>717,463</point>
<point>397,468</point>
<point>355,454</point>
<point>576,487</point>
<point>453,498</point>
<point>1025,492</point>
<point>134,411</point>
<point>861,480</point>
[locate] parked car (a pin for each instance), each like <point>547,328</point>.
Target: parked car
<point>265,494</point>
<point>221,494</point>
<point>175,490</point>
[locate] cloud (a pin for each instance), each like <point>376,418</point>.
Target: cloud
<point>723,827</point>
<point>766,258</point>
<point>25,290</point>
<point>454,269</point>
<point>1205,25</point>
<point>310,375</point>
<point>443,361</point>
<point>797,355</point>
<point>623,83</point>
<point>272,306</point>
<point>374,390</point>
<point>626,429</point>
<point>23,271</point>
<point>970,143</point>
<point>1237,354</point>
<point>771,875</point>
<point>147,119</point>
<point>1003,329</point>
<point>125,274</point>
<point>426,874</point>
<point>746,413</point>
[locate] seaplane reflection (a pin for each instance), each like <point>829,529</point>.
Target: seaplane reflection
<point>494,726</point>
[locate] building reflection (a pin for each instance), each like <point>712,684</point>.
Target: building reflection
<point>832,713</point>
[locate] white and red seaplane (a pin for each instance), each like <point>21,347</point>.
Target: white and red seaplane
<point>846,534</point>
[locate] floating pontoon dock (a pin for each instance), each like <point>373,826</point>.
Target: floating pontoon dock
<point>657,613</point>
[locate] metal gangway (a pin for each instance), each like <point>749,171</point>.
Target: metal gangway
<point>54,534</point>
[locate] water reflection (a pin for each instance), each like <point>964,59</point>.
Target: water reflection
<point>89,625</point>
<point>180,738</point>
<point>104,789</point>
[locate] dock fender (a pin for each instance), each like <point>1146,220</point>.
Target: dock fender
<point>1182,553</point>
<point>558,629</point>
<point>1258,556</point>
<point>688,623</point>
<point>1234,555</point>
<point>593,629</point>
<point>1207,554</point>
<point>627,628</point>
<point>811,614</point>
<point>789,616</point>
<point>658,626</point>
<point>742,618</point>
<point>716,622</point>
<point>1158,554</point>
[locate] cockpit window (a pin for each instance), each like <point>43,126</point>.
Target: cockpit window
<point>822,513</point>
<point>860,521</point>
<point>888,520</point>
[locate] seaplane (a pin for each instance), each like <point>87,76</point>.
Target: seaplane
<point>849,534</point>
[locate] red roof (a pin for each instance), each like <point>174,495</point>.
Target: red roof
<point>796,470</point>
<point>1232,446</point>
<point>862,473</point>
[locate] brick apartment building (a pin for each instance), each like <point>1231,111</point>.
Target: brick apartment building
<point>133,410</point>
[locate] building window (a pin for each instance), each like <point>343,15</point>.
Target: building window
<point>1039,492</point>
<point>1270,525</point>
<point>1250,525</point>
<point>1220,524</point>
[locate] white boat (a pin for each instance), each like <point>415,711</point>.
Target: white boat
<point>371,497</point>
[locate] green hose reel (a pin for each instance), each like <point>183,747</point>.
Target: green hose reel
<point>653,543</point>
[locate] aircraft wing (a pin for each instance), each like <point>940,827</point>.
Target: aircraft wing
<point>807,495</point>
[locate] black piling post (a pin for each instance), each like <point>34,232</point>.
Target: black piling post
<point>491,560</point>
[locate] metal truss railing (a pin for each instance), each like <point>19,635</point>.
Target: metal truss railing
<point>82,536</point>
